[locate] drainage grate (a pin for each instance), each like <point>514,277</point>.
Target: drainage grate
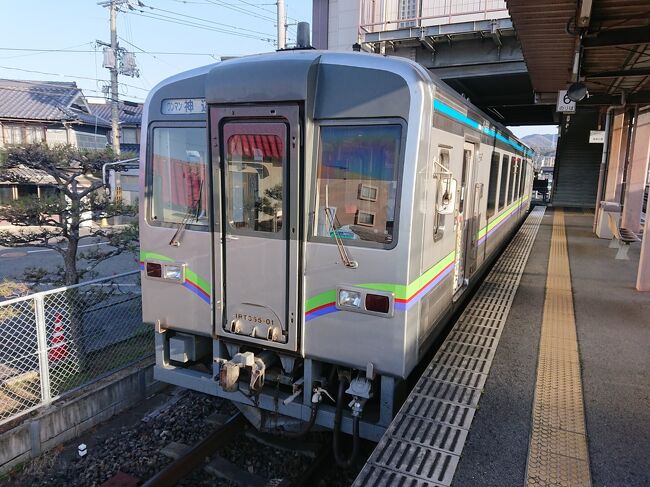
<point>422,447</point>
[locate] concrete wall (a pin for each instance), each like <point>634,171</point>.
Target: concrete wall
<point>67,418</point>
<point>343,24</point>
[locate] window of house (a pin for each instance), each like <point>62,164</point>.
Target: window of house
<point>25,190</point>
<point>128,136</point>
<point>13,134</point>
<point>492,186</point>
<point>50,192</point>
<point>6,194</point>
<point>90,141</point>
<point>178,176</point>
<point>34,134</point>
<point>503,181</point>
<point>357,182</point>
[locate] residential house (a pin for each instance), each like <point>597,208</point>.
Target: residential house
<point>56,112</point>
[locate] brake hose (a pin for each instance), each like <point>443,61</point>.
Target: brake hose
<point>340,461</point>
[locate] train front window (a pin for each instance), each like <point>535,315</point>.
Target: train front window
<point>178,176</point>
<point>357,182</point>
<point>255,157</point>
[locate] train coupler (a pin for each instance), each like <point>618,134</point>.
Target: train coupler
<point>256,366</point>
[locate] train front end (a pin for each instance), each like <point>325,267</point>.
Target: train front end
<point>276,234</point>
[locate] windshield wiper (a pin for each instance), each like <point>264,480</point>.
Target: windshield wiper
<point>192,211</point>
<point>343,252</point>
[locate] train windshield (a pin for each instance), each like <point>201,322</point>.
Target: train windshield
<point>179,186</point>
<point>357,182</point>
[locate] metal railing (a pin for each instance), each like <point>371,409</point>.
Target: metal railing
<point>384,15</point>
<point>56,341</point>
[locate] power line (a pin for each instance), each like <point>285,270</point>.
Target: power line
<point>206,20</point>
<point>240,10</point>
<point>172,20</point>
<point>19,49</point>
<point>68,76</point>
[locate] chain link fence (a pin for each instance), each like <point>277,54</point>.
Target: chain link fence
<point>55,341</point>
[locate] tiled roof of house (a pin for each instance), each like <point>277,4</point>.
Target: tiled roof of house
<point>36,100</point>
<point>53,101</point>
<point>29,175</point>
<point>130,113</point>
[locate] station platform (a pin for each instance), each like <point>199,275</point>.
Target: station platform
<point>552,391</point>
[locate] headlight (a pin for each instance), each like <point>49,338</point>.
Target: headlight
<point>350,299</point>
<point>173,272</point>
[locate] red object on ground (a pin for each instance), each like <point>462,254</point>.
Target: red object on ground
<point>58,348</point>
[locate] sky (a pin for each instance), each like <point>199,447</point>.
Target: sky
<point>524,130</point>
<point>77,24</point>
<point>191,29</point>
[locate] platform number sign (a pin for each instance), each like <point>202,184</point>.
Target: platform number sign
<point>564,104</point>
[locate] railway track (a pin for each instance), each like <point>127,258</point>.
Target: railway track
<point>204,455</point>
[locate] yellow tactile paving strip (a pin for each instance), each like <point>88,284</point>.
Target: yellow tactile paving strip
<point>557,454</point>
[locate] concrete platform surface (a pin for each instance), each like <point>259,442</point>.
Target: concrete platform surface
<point>613,325</point>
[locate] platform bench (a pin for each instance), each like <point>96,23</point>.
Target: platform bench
<point>622,239</point>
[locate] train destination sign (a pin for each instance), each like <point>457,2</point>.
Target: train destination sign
<point>183,106</point>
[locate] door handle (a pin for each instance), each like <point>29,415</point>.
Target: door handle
<point>231,237</point>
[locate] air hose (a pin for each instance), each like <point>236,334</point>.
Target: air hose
<point>340,461</point>
<point>310,424</point>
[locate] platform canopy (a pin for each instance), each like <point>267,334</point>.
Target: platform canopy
<point>606,43</point>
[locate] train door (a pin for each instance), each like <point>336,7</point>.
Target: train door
<point>463,218</point>
<point>258,151</point>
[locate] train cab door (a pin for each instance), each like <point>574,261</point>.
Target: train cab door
<point>464,219</point>
<point>257,177</point>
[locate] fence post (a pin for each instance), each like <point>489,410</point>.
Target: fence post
<point>41,338</point>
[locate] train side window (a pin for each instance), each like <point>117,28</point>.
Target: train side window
<point>358,167</point>
<point>438,219</point>
<point>514,164</point>
<point>178,176</point>
<point>492,187</point>
<point>503,183</point>
<point>522,182</point>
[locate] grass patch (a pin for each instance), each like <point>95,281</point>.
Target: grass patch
<point>100,362</point>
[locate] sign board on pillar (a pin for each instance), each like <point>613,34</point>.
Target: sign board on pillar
<point>564,105</point>
<point>596,136</point>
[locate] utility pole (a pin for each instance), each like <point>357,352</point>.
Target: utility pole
<point>114,66</point>
<point>115,108</point>
<point>282,25</point>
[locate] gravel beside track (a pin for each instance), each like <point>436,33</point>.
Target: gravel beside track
<point>132,446</point>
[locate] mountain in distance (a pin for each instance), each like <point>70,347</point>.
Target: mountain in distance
<point>543,144</point>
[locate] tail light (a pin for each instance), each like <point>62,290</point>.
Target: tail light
<point>154,270</point>
<point>377,303</point>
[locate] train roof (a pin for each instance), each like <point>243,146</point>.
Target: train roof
<point>293,67</point>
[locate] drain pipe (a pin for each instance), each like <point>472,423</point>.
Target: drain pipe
<point>603,160</point>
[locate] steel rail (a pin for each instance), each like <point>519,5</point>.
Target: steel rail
<point>193,458</point>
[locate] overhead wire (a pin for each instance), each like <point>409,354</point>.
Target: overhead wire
<point>47,50</point>
<point>172,20</point>
<point>67,76</point>
<point>206,20</point>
